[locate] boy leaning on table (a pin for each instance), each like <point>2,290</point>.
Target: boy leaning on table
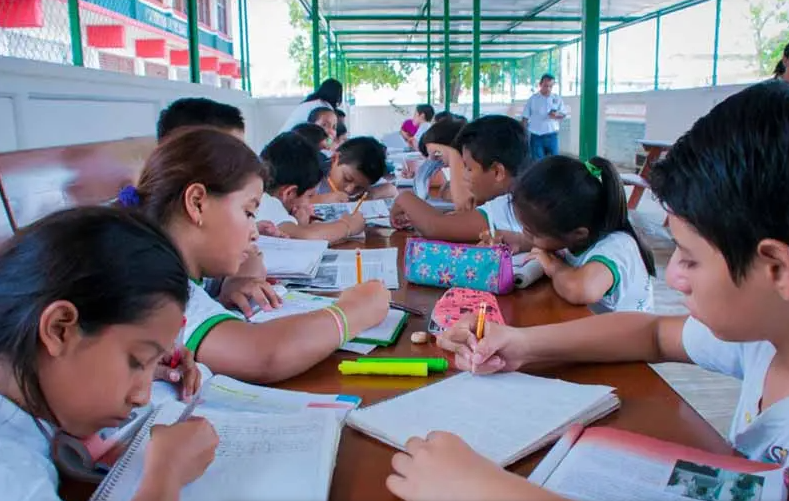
<point>725,184</point>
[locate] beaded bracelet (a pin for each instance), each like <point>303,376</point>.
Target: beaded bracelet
<point>346,333</point>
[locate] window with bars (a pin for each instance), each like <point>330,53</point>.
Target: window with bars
<point>221,16</point>
<point>204,12</point>
<point>179,6</point>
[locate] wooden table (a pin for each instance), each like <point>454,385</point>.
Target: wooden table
<point>649,405</point>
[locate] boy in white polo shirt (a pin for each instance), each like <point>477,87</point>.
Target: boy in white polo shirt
<point>725,184</point>
<point>542,114</point>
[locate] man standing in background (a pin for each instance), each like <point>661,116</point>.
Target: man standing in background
<point>541,116</point>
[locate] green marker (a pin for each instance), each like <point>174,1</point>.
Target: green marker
<point>433,364</point>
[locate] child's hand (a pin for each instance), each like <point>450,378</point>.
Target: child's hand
<point>186,373</point>
<point>366,305</point>
<point>502,348</point>
<point>511,239</point>
<point>303,213</point>
<point>269,229</point>
<point>444,468</point>
<point>355,222</point>
<point>177,455</point>
<point>549,261</point>
<point>398,218</point>
<point>238,291</point>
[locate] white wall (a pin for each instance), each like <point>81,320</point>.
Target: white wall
<point>45,104</point>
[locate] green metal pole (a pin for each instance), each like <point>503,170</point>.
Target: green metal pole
<point>657,51</point>
<point>429,57</point>
<point>75,26</point>
<point>316,44</point>
<point>717,42</point>
<point>550,61</point>
<point>241,29</point>
<point>194,41</point>
<point>447,64</point>
<point>533,70</point>
<point>337,58</point>
<point>475,51</point>
<point>578,68</point>
<point>512,80</point>
<point>589,90</point>
<point>246,47</point>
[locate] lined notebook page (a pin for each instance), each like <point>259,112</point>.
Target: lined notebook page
<point>260,457</point>
<point>499,416</point>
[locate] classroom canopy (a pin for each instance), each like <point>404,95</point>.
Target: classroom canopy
<point>447,31</point>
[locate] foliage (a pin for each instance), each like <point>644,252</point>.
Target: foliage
<point>769,49</point>
<point>388,74</point>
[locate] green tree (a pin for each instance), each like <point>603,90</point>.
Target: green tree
<point>769,49</point>
<point>390,74</point>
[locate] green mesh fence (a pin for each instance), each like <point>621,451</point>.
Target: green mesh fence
<point>109,34</point>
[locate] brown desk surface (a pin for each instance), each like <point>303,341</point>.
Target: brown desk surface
<point>649,405</point>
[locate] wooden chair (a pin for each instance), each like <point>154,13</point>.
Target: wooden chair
<point>640,182</point>
<point>34,183</point>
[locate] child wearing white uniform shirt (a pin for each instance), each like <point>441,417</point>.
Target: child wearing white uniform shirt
<point>724,184</point>
<point>575,215</point>
<point>762,436</point>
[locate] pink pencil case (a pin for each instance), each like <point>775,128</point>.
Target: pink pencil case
<point>447,264</point>
<point>457,302</point>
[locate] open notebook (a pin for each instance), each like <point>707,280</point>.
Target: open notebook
<point>276,457</point>
<point>294,303</point>
<point>337,270</point>
<point>504,417</point>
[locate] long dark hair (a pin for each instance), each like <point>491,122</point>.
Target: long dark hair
<point>329,91</point>
<point>558,194</point>
<point>114,266</point>
<point>780,68</point>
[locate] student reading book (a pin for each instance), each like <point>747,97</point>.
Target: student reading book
<point>204,186</point>
<point>294,172</point>
<point>81,341</point>
<point>494,152</point>
<point>724,186</point>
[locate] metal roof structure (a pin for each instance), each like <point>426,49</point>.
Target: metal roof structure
<point>446,31</point>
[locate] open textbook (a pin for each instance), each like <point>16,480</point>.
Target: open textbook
<point>370,209</point>
<point>606,464</point>
<point>504,417</point>
<point>271,457</point>
<point>337,270</point>
<point>292,258</point>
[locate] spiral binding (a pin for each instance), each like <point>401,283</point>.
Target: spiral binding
<point>106,488</point>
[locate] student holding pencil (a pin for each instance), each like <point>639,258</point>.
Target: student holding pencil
<point>294,171</point>
<point>204,187</point>
<point>90,304</point>
<point>724,184</point>
<point>494,151</point>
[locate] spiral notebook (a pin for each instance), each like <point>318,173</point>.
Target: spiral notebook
<point>503,417</point>
<point>261,457</point>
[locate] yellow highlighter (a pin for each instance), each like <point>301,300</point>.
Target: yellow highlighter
<point>348,368</point>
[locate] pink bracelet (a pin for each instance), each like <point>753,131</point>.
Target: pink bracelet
<point>337,320</point>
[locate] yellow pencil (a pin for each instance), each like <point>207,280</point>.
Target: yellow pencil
<point>358,266</point>
<point>483,308</point>
<point>359,203</point>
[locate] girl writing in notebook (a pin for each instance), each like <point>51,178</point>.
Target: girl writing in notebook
<point>204,187</point>
<point>724,184</point>
<point>575,215</point>
<point>91,301</point>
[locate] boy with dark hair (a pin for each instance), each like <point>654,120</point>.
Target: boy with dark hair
<point>357,165</point>
<point>724,184</point>
<point>494,151</point>
<point>199,111</point>
<point>294,171</point>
